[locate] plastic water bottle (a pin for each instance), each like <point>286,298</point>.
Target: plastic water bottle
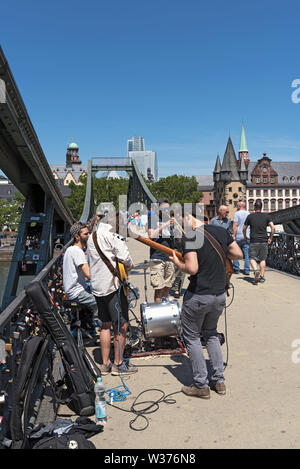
<point>100,402</point>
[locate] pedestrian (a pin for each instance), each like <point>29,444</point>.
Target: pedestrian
<point>162,270</point>
<point>237,234</point>
<point>222,218</point>
<point>76,272</point>
<point>204,300</point>
<point>105,249</point>
<point>259,240</point>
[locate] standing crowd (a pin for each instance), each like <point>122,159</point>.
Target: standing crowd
<point>91,277</point>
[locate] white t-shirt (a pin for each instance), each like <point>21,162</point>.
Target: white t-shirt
<point>73,278</point>
<point>240,217</point>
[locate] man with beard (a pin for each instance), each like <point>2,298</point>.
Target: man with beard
<point>76,272</point>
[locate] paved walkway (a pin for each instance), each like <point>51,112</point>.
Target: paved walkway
<point>261,408</point>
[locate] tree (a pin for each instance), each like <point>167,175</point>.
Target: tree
<point>10,212</point>
<point>180,189</point>
<point>105,190</point>
<point>76,200</point>
<point>109,190</point>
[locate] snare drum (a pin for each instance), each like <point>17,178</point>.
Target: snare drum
<point>161,319</point>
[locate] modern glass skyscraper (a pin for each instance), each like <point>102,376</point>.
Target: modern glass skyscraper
<point>147,163</point>
<point>135,144</point>
<point>146,160</point>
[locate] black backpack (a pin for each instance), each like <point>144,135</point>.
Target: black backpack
<point>34,351</point>
<point>80,370</point>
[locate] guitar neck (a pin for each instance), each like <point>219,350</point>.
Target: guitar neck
<point>159,247</point>
<point>169,252</point>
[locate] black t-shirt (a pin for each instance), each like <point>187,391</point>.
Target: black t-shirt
<point>166,238</point>
<point>258,223</point>
<point>211,277</point>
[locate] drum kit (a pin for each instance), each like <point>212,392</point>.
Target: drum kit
<point>159,319</point>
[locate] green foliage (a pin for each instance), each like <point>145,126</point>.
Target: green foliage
<point>108,190</point>
<point>10,212</point>
<point>105,190</point>
<point>180,189</point>
<point>76,201</point>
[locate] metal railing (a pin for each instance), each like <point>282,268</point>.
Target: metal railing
<point>18,322</point>
<point>284,253</point>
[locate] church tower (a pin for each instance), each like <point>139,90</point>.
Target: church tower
<point>230,180</point>
<point>72,156</point>
<point>243,151</point>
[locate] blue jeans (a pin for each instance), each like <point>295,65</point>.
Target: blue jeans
<point>245,248</point>
<point>87,299</point>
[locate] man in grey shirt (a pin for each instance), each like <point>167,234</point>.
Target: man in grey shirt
<point>222,219</point>
<point>237,234</point>
<point>76,270</point>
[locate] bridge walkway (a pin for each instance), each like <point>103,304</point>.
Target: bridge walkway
<point>261,408</point>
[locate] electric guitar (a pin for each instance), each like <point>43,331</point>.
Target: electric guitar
<point>227,262</point>
<point>123,276</point>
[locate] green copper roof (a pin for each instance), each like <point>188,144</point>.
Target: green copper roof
<point>243,143</point>
<point>73,145</point>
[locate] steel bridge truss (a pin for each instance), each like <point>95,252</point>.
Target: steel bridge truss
<point>46,214</point>
<point>138,191</point>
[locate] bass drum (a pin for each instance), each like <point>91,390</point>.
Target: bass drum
<point>161,319</point>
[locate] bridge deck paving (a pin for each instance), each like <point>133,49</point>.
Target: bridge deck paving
<point>261,408</point>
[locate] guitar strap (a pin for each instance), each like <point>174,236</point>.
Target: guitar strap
<point>216,245</point>
<point>106,261</point>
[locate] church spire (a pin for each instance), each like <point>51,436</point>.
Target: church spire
<point>216,174</point>
<point>243,151</point>
<point>229,169</point>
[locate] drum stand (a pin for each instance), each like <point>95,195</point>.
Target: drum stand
<point>156,345</point>
<point>145,267</point>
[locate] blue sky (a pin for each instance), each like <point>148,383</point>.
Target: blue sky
<point>183,74</point>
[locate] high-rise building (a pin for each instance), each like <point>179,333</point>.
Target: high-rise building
<point>146,160</point>
<point>135,144</point>
<point>147,163</point>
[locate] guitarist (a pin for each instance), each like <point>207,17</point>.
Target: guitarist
<point>111,300</point>
<point>204,299</point>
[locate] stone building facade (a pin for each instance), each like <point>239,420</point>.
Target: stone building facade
<point>276,184</point>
